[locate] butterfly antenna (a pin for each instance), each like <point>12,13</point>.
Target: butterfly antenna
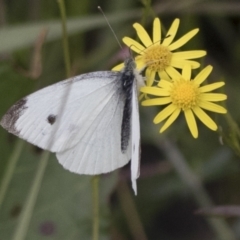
<point>114,34</point>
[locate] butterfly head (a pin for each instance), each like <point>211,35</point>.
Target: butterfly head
<point>129,64</point>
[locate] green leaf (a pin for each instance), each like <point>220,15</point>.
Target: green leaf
<point>15,37</point>
<point>64,206</point>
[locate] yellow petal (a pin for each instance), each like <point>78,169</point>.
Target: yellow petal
<point>142,34</point>
<point>140,63</point>
<point>163,75</point>
<point>154,91</point>
<point>165,84</point>
<point>141,96</point>
<point>150,77</point>
<point>156,31</point>
<point>156,101</point>
<point>180,63</point>
<point>204,118</point>
<point>186,72</point>
<point>211,87</point>
<point>212,107</point>
<point>134,45</point>
<point>170,120</point>
<point>171,33</point>
<point>191,122</point>
<point>213,97</point>
<point>202,76</point>
<point>164,113</point>
<point>188,54</point>
<point>173,73</point>
<point>184,39</point>
<point>118,68</point>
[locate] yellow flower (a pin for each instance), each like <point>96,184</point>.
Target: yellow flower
<point>181,93</point>
<point>157,55</point>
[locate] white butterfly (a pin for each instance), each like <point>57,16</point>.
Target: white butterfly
<point>90,121</point>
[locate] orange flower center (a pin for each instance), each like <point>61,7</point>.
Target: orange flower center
<point>185,94</point>
<point>157,57</point>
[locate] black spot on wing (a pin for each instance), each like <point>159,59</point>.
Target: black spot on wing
<point>10,118</point>
<point>51,119</point>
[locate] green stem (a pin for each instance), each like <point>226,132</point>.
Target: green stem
<point>232,124</point>
<point>26,215</point>
<point>218,225</point>
<point>65,37</point>
<point>130,212</point>
<point>232,137</point>
<point>95,200</point>
<point>12,162</point>
<point>147,10</point>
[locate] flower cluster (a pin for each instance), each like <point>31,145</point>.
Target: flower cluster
<point>175,86</point>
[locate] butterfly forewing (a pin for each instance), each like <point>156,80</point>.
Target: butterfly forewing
<point>86,132</point>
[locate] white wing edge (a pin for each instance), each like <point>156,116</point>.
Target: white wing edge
<point>135,161</point>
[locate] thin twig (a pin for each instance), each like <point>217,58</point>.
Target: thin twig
<point>95,202</point>
<point>12,162</point>
<point>26,215</point>
<point>65,36</point>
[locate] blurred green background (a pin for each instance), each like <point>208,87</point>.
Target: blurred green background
<point>179,175</point>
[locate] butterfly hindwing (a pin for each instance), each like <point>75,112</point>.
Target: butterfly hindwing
<point>135,143</point>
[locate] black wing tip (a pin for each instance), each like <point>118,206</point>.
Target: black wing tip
<point>9,120</point>
<point>8,125</point>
